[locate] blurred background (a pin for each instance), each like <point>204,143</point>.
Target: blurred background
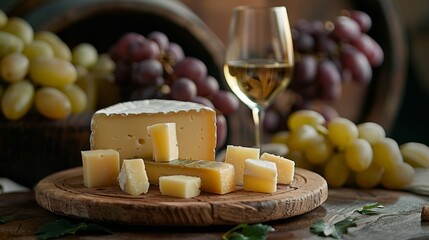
<point>397,97</point>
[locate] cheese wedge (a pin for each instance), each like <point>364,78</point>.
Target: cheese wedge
<point>164,141</point>
<point>260,176</point>
<point>285,167</point>
<point>216,177</point>
<point>100,167</point>
<point>123,127</point>
<point>180,186</point>
<point>132,177</point>
<point>236,156</point>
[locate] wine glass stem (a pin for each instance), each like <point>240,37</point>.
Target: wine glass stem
<point>258,116</point>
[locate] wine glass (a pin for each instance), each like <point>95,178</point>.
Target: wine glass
<point>259,58</point>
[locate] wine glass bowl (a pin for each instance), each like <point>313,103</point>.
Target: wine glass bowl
<point>259,58</point>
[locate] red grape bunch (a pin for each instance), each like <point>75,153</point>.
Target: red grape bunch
<point>328,54</point>
<point>154,67</point>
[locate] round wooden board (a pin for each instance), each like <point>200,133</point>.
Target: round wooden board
<point>64,193</point>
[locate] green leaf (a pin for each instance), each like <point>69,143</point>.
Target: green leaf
<point>63,227</point>
<point>343,225</point>
<point>248,232</point>
<point>370,209</point>
<point>336,230</point>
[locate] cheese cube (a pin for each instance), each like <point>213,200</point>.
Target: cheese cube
<point>236,156</point>
<point>285,167</point>
<point>164,141</point>
<point>123,127</point>
<point>132,177</point>
<point>180,186</point>
<point>260,176</point>
<point>216,177</point>
<point>100,167</point>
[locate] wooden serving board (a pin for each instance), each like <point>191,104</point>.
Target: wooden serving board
<point>64,193</point>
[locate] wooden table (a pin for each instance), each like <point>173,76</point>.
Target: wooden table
<point>399,219</point>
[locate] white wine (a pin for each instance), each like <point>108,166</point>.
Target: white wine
<point>257,82</point>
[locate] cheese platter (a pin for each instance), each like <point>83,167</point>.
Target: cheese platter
<point>64,193</point>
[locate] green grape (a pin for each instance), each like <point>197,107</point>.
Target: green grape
<point>342,131</point>
<point>87,82</point>
<point>398,177</point>
<point>305,117</point>
<point>104,64</point>
<point>107,91</point>
<point>77,97</point>
<point>280,137</point>
<point>61,50</point>
<point>84,55</point>
<point>336,171</point>
<point>369,177</point>
<point>53,72</point>
<point>370,131</point>
<point>386,153</point>
<point>52,103</point>
<point>300,136</point>
<point>36,49</point>
<point>358,155</point>
<point>9,43</point>
<point>3,18</point>
<point>17,100</point>
<point>14,67</point>
<point>299,159</point>
<point>318,150</point>
<point>20,28</point>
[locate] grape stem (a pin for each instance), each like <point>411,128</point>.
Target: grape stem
<point>258,114</point>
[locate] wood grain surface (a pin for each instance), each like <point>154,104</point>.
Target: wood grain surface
<point>64,193</point>
<point>399,219</point>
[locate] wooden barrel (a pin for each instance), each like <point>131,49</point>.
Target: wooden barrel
<point>33,147</point>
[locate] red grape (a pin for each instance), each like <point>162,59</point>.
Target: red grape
<point>346,29</point>
<point>204,101</point>
<point>147,72</point>
<point>145,93</point>
<point>122,72</point>
<point>208,87</point>
<point>305,70</point>
<point>225,101</point>
<point>355,61</point>
<point>363,19</point>
<point>221,130</point>
<point>121,50</point>
<point>271,121</point>
<point>191,68</point>
<point>329,80</point>
<point>370,48</point>
<point>304,42</point>
<point>142,50</point>
<point>175,52</point>
<point>183,89</point>
<point>160,38</point>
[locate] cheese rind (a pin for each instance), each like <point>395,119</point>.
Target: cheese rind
<point>100,167</point>
<point>132,177</point>
<point>123,127</point>
<point>285,167</point>
<point>180,186</point>
<point>164,141</point>
<point>260,176</point>
<point>236,156</point>
<point>216,177</point>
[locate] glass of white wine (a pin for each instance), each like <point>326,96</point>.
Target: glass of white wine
<point>259,58</point>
